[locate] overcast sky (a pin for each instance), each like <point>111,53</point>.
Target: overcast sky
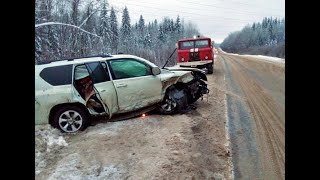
<point>214,18</point>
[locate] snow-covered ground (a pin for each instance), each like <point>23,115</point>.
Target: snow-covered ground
<point>48,141</point>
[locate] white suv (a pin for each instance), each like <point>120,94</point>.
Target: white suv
<point>68,92</point>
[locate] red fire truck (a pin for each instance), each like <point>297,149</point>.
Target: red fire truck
<point>196,52</point>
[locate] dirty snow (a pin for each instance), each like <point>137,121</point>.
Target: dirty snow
<point>71,167</point>
<point>47,142</point>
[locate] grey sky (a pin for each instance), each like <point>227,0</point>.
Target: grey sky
<point>215,19</point>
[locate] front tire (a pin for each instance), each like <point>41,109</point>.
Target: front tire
<point>210,68</point>
<point>174,101</point>
<point>70,119</point>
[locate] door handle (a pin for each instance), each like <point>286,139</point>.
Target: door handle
<point>121,85</point>
<point>103,90</point>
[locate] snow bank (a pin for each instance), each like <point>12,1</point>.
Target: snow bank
<point>268,58</point>
<point>262,57</point>
<point>48,141</point>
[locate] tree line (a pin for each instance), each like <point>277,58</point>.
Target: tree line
<point>265,38</point>
<point>75,28</point>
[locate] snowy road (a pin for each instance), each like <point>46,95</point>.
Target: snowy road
<point>256,115</point>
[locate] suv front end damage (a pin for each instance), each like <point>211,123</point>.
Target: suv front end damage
<point>182,87</point>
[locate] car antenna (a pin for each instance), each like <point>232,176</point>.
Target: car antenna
<point>169,58</point>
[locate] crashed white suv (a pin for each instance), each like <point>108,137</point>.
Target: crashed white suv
<point>69,92</point>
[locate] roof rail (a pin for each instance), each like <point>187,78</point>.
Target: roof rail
<point>73,58</point>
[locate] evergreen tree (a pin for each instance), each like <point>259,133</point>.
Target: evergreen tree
<point>265,38</point>
<point>125,31</point>
<point>161,35</point>
<point>114,31</point>
<point>153,40</point>
<point>141,32</point>
<point>178,27</point>
<point>105,31</point>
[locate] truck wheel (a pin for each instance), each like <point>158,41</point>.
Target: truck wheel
<point>210,68</point>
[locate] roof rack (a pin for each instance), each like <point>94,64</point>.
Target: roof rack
<point>73,58</point>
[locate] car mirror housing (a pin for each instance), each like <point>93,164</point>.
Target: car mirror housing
<point>156,71</point>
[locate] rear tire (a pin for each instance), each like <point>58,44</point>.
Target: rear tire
<point>70,119</point>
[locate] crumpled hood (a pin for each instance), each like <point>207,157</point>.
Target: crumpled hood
<point>182,76</point>
<point>196,72</point>
<point>169,77</point>
<point>177,68</point>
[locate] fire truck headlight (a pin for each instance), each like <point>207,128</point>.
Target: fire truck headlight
<point>206,57</point>
<point>182,59</point>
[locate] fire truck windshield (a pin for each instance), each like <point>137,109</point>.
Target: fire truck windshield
<point>194,44</point>
<point>201,43</point>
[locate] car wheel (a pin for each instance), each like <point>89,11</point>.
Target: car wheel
<point>174,101</point>
<point>70,119</point>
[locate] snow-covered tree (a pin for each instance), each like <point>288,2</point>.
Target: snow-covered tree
<point>147,42</point>
<point>161,35</point>
<point>265,38</point>
<point>177,26</point>
<point>141,32</point>
<point>105,30</point>
<point>125,31</point>
<point>114,31</point>
<point>74,28</point>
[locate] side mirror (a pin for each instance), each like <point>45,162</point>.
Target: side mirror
<point>155,71</point>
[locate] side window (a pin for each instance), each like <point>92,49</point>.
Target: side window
<point>97,72</point>
<point>57,75</point>
<point>80,72</point>
<point>104,65</point>
<point>129,68</point>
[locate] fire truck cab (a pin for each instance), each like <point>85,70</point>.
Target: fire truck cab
<point>196,52</point>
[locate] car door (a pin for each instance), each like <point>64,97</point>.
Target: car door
<point>103,87</point>
<point>135,85</point>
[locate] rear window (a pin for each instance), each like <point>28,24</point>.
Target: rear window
<point>58,75</point>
